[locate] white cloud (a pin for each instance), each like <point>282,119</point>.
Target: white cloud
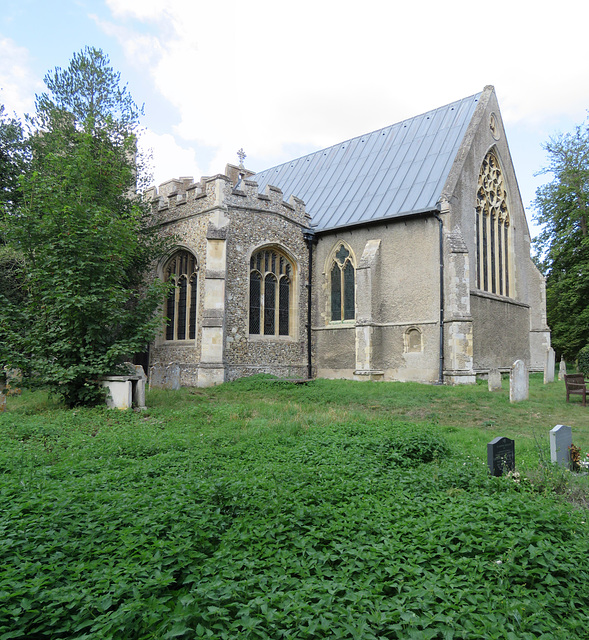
<point>18,83</point>
<point>269,76</point>
<point>169,158</point>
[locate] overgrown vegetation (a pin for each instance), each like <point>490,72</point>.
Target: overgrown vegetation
<point>260,510</point>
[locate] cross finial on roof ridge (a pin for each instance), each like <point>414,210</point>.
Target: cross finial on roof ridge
<point>242,156</point>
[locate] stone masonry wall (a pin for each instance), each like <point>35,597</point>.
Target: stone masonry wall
<point>237,221</point>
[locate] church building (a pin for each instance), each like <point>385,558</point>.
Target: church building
<point>402,254</point>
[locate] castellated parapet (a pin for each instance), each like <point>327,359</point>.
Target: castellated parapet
<point>169,200</point>
<point>222,223</point>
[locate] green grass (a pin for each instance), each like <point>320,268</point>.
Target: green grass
<point>268,510</point>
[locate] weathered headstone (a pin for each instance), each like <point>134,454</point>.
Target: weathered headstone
<point>165,378</point>
<point>561,438</point>
<point>519,382</point>
<point>494,380</point>
<point>13,382</point>
<point>500,456</point>
<point>549,366</point>
<point>2,390</point>
<point>173,377</point>
<point>562,368</point>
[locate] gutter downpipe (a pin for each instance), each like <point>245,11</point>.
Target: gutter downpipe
<point>310,239</point>
<point>441,253</point>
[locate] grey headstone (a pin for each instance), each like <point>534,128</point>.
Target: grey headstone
<point>494,380</point>
<point>561,438</point>
<point>562,368</point>
<point>165,377</point>
<point>156,376</point>
<point>500,456</point>
<point>549,366</point>
<point>173,377</point>
<point>519,382</point>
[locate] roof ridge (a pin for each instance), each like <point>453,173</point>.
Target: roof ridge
<point>388,172</point>
<point>370,133</point>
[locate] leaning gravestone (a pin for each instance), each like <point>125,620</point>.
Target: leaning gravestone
<point>519,382</point>
<point>500,456</point>
<point>562,368</point>
<point>561,438</point>
<point>494,380</point>
<point>549,366</point>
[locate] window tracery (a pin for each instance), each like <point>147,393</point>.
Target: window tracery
<point>493,234</point>
<point>271,277</point>
<point>181,269</point>
<point>342,278</point>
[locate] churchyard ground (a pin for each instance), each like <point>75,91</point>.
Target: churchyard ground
<point>260,509</point>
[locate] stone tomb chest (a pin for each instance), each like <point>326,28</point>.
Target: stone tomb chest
<point>126,391</point>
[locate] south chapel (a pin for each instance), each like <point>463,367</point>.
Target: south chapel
<point>402,254</point>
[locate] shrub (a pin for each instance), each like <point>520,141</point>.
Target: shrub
<point>416,446</point>
<point>583,362</point>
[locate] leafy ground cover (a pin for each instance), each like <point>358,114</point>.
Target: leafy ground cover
<point>268,510</point>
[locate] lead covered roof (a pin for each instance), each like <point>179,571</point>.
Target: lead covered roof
<point>396,171</point>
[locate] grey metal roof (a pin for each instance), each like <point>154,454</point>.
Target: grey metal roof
<point>396,171</point>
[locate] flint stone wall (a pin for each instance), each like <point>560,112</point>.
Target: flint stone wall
<point>243,221</point>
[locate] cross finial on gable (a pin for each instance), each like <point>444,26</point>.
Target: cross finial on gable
<point>241,155</point>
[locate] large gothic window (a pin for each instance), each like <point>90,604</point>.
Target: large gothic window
<point>493,234</point>
<point>181,270</point>
<point>342,276</point>
<point>271,277</point>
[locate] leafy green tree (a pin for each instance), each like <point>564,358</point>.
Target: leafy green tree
<point>562,208</point>
<point>13,159</point>
<point>82,231</point>
<point>13,162</point>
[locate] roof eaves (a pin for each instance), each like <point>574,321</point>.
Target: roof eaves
<point>384,219</point>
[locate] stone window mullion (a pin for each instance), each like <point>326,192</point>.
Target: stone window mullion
<point>493,239</point>
<point>181,303</point>
<point>270,312</point>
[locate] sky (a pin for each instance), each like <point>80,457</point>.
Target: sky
<point>284,79</point>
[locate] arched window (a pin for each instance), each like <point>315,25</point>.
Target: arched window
<point>271,277</point>
<point>181,269</point>
<point>342,286</point>
<point>493,234</point>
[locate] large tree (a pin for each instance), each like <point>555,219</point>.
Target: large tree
<point>81,230</point>
<point>562,208</point>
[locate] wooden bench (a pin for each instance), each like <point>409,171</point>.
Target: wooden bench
<point>576,384</point>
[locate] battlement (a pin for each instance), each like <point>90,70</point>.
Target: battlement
<point>183,196</point>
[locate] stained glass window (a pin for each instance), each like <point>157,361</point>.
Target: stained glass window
<point>270,293</point>
<point>181,270</point>
<point>342,286</point>
<point>492,229</point>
